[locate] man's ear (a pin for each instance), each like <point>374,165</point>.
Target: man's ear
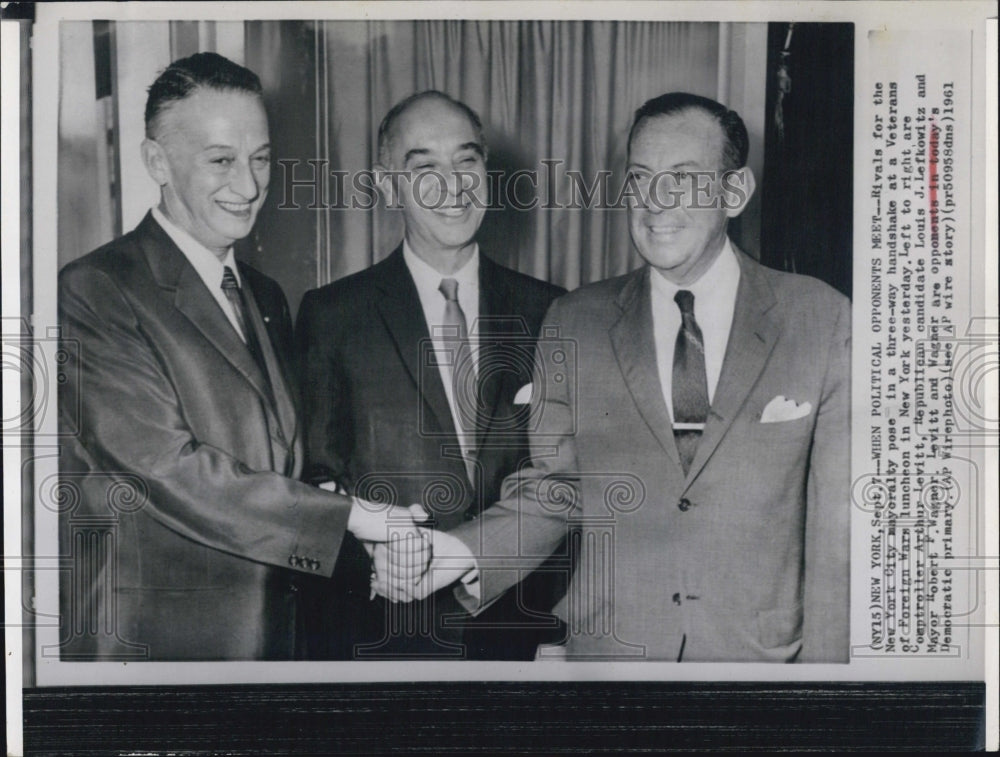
<point>155,159</point>
<point>737,189</point>
<point>388,185</point>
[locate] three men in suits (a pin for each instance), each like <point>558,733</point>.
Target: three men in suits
<point>411,371</point>
<point>698,447</point>
<point>184,518</point>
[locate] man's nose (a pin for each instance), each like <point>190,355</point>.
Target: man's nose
<point>660,196</point>
<point>462,181</point>
<point>243,181</point>
<point>454,183</point>
<point>650,203</point>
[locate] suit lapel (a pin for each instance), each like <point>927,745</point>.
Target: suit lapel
<point>635,350</point>
<point>399,306</point>
<point>191,297</point>
<point>493,303</point>
<point>751,341</point>
<point>283,404</point>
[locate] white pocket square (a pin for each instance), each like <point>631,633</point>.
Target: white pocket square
<point>523,396</point>
<point>783,409</point>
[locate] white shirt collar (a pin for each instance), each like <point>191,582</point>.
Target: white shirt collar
<point>427,278</point>
<point>206,264</point>
<point>719,281</point>
<point>204,261</point>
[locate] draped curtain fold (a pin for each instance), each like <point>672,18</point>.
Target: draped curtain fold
<point>545,90</point>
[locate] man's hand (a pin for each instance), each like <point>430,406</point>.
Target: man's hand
<point>372,522</point>
<point>400,550</point>
<point>402,575</point>
<point>399,565</point>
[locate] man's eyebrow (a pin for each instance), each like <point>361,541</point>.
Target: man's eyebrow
<point>474,146</point>
<point>675,167</point>
<point>413,153</point>
<point>265,146</point>
<point>419,151</point>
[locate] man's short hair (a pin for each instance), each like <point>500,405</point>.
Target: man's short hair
<point>389,122</point>
<point>185,76</point>
<point>737,143</point>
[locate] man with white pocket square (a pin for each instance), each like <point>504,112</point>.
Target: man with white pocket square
<point>704,435</point>
<point>413,371</point>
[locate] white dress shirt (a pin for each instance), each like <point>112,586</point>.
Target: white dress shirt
<point>207,265</point>
<point>714,305</point>
<point>427,281</point>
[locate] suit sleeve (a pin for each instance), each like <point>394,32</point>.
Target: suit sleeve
<point>132,421</point>
<point>538,503</point>
<point>826,622</point>
<point>324,392</point>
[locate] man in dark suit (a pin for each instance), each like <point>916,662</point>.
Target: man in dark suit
<point>700,444</point>
<point>416,378</point>
<point>184,519</point>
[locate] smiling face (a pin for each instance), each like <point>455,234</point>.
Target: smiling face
<point>679,226</point>
<point>442,188</point>
<point>212,159</point>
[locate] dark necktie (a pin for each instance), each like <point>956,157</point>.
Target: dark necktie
<point>234,294</point>
<point>463,373</point>
<point>689,382</point>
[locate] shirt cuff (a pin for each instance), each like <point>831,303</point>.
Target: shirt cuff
<point>451,553</point>
<point>333,486</point>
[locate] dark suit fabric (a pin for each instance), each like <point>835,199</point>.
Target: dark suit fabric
<point>378,419</point>
<point>745,558</point>
<point>186,523</point>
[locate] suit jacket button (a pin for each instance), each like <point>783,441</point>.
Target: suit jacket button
<point>291,560</point>
<point>677,598</point>
<point>684,505</point>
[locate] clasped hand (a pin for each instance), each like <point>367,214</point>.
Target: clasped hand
<point>400,564</point>
<point>413,566</point>
<point>409,561</point>
<point>414,561</point>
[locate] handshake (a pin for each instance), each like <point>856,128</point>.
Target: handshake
<point>410,561</point>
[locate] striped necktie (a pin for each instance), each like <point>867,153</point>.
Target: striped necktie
<point>234,294</point>
<point>689,382</point>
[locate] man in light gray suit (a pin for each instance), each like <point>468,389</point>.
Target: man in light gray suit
<point>698,445</point>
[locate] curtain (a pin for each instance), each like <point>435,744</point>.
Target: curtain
<point>545,90</point>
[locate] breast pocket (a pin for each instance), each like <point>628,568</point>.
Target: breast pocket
<point>783,431</point>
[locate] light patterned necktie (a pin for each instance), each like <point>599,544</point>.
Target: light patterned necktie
<point>689,382</point>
